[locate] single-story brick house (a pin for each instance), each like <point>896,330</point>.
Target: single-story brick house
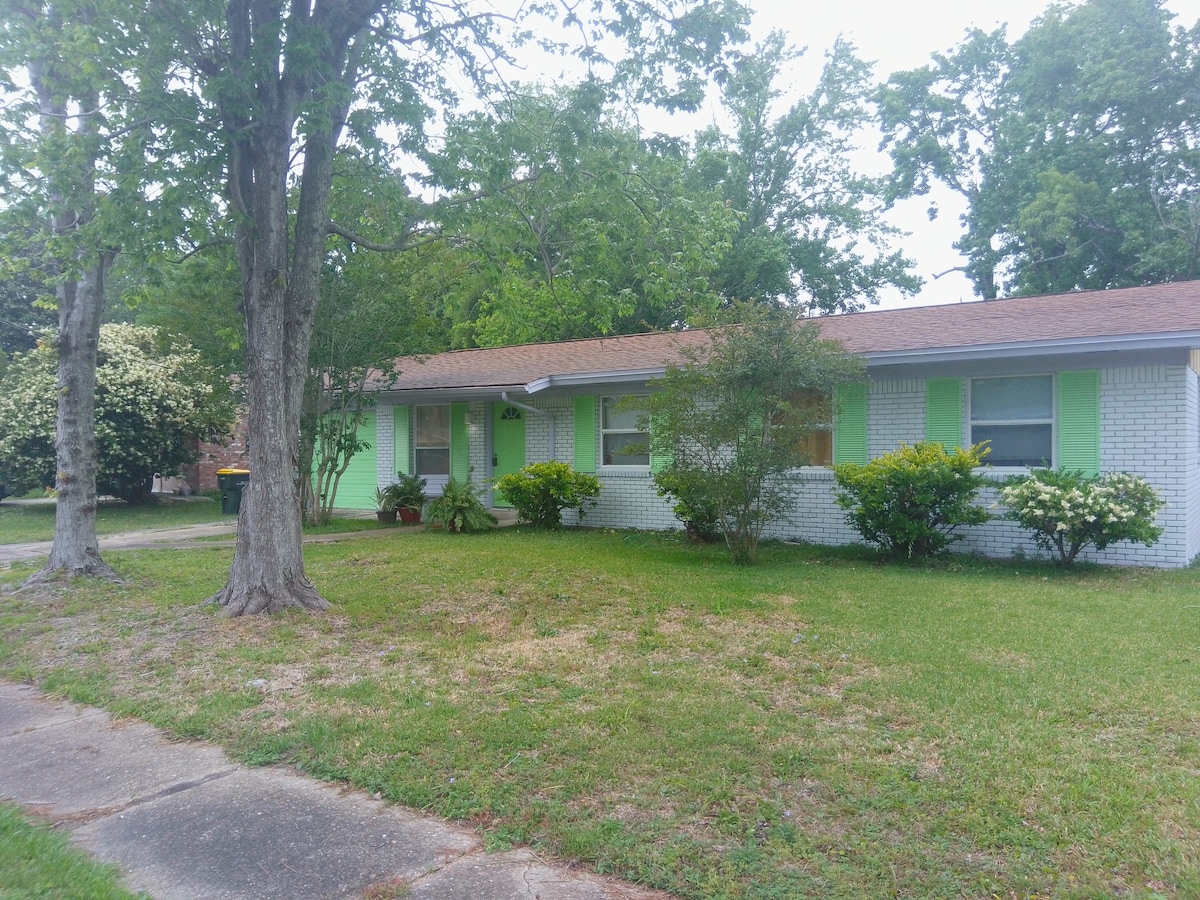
<point>1099,381</point>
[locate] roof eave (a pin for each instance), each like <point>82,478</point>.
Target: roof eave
<point>1167,341</point>
<point>586,379</point>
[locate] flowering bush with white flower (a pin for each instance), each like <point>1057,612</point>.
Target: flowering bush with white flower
<point>1067,511</point>
<point>152,397</point>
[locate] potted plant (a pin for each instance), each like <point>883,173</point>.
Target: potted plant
<point>410,497</point>
<point>385,505</point>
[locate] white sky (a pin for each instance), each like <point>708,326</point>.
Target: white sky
<point>895,36</point>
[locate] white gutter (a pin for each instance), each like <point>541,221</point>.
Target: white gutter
<point>1116,343</point>
<point>586,378</point>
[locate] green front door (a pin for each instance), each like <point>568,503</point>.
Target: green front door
<point>508,441</point>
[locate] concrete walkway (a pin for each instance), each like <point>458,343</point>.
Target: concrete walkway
<point>190,537</point>
<point>182,821</point>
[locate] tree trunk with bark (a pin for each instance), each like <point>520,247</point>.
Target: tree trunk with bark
<point>280,261</point>
<point>76,550</point>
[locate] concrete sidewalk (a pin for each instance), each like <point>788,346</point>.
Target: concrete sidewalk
<point>182,821</point>
<point>190,537</point>
<point>183,536</point>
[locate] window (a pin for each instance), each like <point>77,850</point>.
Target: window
<point>814,412</point>
<point>432,440</point>
<point>1016,416</point>
<point>621,442</point>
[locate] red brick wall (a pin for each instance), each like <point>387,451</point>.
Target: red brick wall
<point>232,455</point>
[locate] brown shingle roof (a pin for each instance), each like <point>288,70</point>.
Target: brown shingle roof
<point>1075,317</point>
<point>987,326</point>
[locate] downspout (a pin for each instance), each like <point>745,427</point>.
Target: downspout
<point>533,409</point>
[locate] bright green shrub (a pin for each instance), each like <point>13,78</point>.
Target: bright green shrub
<point>541,491</point>
<point>1067,511</point>
<point>911,501</point>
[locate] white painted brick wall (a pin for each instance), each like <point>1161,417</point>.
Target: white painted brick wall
<point>1191,468</point>
<point>1150,425</point>
<point>385,446</point>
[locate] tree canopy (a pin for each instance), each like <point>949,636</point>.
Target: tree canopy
<point>811,230</point>
<point>1076,146</point>
<point>573,225</point>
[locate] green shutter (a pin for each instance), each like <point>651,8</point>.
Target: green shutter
<point>460,448</point>
<point>585,434</point>
<point>850,423</point>
<point>1079,421</point>
<point>944,411</point>
<point>661,460</point>
<point>402,455</point>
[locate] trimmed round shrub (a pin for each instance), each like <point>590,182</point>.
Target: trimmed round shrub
<point>541,491</point>
<point>912,500</point>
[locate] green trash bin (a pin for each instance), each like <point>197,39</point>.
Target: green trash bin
<point>231,483</point>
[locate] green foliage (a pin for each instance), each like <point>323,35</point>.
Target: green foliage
<point>730,422</point>
<point>1080,168</point>
<point>541,491</point>
<point>1067,511</point>
<point>911,501</point>
<point>409,491</point>
<point>459,510</point>
<point>810,228</point>
<point>694,505</point>
<point>582,226</point>
<point>386,499</point>
<point>152,398</point>
<point>406,492</point>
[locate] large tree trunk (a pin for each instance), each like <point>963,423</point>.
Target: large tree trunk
<point>268,565</point>
<point>280,263</point>
<point>76,550</point>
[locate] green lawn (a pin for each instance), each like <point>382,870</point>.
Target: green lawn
<point>817,725</point>
<point>38,862</point>
<point>21,523</point>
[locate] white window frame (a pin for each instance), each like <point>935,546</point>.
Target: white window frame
<point>416,448</point>
<point>604,431</point>
<point>827,427</point>
<point>1052,421</point>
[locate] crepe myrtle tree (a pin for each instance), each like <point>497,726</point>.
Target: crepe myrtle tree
<point>152,399</point>
<point>731,421</point>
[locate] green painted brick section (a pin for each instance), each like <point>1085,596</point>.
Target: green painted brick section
<point>460,451</point>
<point>850,424</point>
<point>944,411</point>
<point>356,487</point>
<point>402,460</point>
<point>1079,421</point>
<point>585,434</point>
